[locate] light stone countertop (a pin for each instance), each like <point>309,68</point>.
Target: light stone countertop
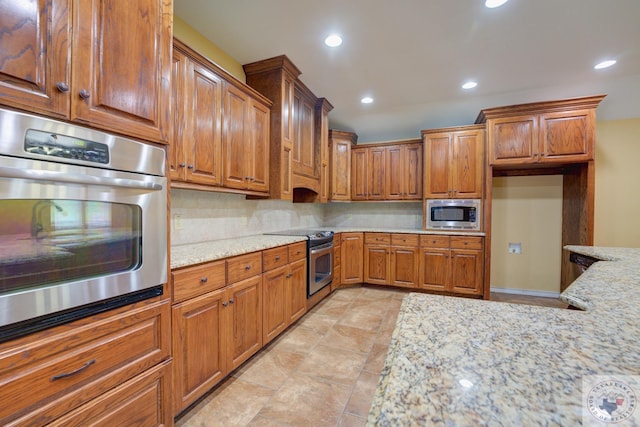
<point>464,362</point>
<point>196,253</point>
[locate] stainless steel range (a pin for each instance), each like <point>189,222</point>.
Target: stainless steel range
<point>319,257</point>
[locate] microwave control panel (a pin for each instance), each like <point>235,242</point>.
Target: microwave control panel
<point>67,147</point>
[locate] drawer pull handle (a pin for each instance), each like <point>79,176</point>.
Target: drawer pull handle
<point>77,371</point>
<point>204,280</point>
<point>278,258</point>
<point>247,267</point>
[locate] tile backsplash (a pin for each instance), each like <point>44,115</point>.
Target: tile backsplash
<point>198,216</point>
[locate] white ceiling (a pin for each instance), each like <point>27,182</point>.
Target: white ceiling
<point>412,56</point>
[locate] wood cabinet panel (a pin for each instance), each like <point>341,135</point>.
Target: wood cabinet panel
<point>274,298</point>
<point>513,139</point>
<point>274,258</point>
<point>359,174</point>
<point>243,266</point>
<point>122,56</point>
<point>140,401</point>
<point>413,174</point>
<point>376,173</point>
<point>99,63</point>
<point>198,347</point>
<point>434,269</point>
<point>454,161</point>
<point>297,251</point>
<point>297,290</point>
<point>176,154</point>
<point>352,247</point>
<point>340,171</point>
<point>568,136</point>
<point>193,281</point>
<point>59,369</point>
<point>236,108</point>
<point>466,271</point>
<point>405,263</point>
<point>377,264</point>
<point>394,169</point>
<point>35,56</point>
<point>377,238</point>
<point>245,304</point>
<point>259,148</point>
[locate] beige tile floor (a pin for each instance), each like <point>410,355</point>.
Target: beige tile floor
<point>322,371</point>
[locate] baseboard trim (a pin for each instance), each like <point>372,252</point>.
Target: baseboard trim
<point>529,292</point>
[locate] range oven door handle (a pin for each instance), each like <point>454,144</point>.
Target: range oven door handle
<point>43,175</point>
<point>321,248</point>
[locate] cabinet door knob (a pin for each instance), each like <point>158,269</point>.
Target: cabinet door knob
<point>204,279</point>
<point>63,87</point>
<point>191,167</point>
<point>224,303</point>
<point>231,301</point>
<point>182,165</point>
<point>85,94</point>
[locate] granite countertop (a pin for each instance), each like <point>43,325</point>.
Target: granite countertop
<point>463,362</point>
<point>196,253</point>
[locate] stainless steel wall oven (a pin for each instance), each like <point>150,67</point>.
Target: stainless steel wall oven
<point>83,222</point>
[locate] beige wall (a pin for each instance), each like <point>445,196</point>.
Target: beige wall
<point>617,210</point>
<point>527,210</point>
<point>185,33</point>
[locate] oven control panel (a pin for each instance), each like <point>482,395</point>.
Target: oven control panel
<point>67,147</point>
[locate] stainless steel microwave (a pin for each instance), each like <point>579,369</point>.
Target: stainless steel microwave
<point>453,214</point>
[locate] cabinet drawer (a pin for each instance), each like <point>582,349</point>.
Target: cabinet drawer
<point>274,258</point>
<point>377,238</point>
<point>57,370</point>
<point>244,266</point>
<point>198,280</point>
<point>405,239</point>
<point>297,251</point>
<point>431,241</point>
<point>464,242</point>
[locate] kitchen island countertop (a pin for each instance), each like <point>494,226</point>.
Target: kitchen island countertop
<point>463,362</point>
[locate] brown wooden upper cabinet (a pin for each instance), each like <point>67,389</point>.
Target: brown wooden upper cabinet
<point>221,128</point>
<point>543,132</point>
<point>453,159</point>
<point>390,171</point>
<point>299,135</point>
<point>101,63</point>
<point>340,144</point>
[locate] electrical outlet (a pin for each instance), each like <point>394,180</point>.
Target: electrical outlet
<point>177,222</point>
<point>515,248</point>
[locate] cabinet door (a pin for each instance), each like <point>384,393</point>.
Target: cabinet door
<point>359,174</point>
<point>437,163</point>
<point>34,56</point>
<point>434,269</point>
<point>394,173</point>
<point>199,333</point>
<point>122,69</point>
<point>177,160</point>
<point>376,265</point>
<point>203,128</point>
<point>375,173</point>
<point>404,266</point>
<point>235,138</point>
<point>413,175</point>
<point>466,174</point>
<point>304,153</point>
<point>340,169</point>
<point>466,271</point>
<point>513,140</point>
<point>274,301</point>
<point>258,157</point>
<point>351,258</point>
<point>296,296</point>
<point>245,314</point>
<point>567,136</point>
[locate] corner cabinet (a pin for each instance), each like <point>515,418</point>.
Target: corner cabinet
<point>454,162</point>
<point>221,129</point>
<point>552,132</point>
<point>102,63</point>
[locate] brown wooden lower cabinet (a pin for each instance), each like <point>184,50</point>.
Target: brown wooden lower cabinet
<point>351,258</point>
<point>391,259</point>
<point>452,264</point>
<point>77,371</point>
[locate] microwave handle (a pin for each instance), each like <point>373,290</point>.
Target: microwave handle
<point>41,175</point>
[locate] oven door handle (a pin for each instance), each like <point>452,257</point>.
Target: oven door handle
<point>320,248</point>
<point>43,175</point>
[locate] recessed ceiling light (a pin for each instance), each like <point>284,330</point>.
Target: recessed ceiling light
<point>367,100</point>
<point>494,3</point>
<point>604,64</point>
<point>333,40</point>
<point>469,85</point>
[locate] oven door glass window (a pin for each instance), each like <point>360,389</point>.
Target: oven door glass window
<point>47,241</point>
